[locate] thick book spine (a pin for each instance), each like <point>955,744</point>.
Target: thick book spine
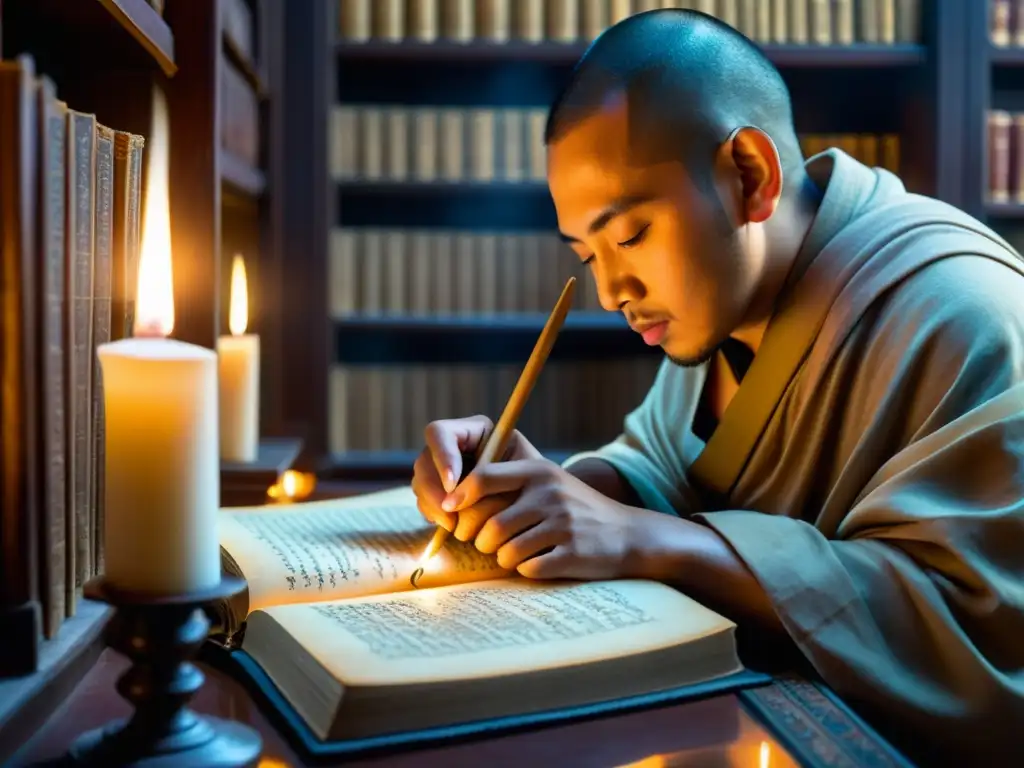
<point>19,585</point>
<point>999,22</point>
<point>125,233</point>
<point>999,156</point>
<point>51,154</point>
<point>101,325</point>
<point>81,216</point>
<point>136,147</point>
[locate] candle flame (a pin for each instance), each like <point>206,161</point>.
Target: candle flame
<point>238,312</point>
<point>765,756</point>
<point>293,486</point>
<point>154,303</point>
<point>289,483</point>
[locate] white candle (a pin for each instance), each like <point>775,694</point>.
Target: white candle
<point>162,472</point>
<point>163,475</point>
<point>239,356</point>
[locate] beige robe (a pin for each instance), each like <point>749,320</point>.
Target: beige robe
<point>870,469</point>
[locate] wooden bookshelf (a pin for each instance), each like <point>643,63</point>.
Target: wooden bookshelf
<point>105,56</point>
<point>123,33</point>
<point>915,89</point>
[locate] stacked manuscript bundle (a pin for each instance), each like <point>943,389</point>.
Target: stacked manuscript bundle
<point>801,22</point>
<point>70,218</point>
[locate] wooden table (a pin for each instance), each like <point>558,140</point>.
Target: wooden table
<point>711,733</point>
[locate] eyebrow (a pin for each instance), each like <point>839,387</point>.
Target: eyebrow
<point>603,219</point>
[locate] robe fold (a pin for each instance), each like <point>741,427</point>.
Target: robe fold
<point>870,469</point>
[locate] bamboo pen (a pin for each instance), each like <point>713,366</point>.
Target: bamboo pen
<point>493,447</point>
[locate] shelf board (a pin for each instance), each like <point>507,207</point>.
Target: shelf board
<point>1009,210</point>
<point>122,33</point>
<point>456,205</point>
<point>790,56</point>
<point>237,173</point>
<point>480,339</point>
<point>388,465</point>
<point>1006,56</point>
<point>148,27</point>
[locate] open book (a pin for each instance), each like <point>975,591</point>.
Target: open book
<point>333,620</point>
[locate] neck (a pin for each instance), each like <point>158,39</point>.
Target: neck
<point>785,232</point>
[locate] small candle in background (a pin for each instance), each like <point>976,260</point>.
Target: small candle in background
<point>293,486</point>
<point>239,364</point>
<point>162,487</point>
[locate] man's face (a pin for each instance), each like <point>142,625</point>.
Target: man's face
<point>660,249</point>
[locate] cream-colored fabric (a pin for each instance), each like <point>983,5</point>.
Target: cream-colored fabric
<point>870,470</point>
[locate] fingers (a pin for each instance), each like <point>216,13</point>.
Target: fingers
<point>501,477</point>
<point>536,542</point>
<point>509,522</point>
<point>447,439</point>
<point>429,494</point>
<point>559,563</point>
<point>472,519</point>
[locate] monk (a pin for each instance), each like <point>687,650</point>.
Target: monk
<point>833,449</point>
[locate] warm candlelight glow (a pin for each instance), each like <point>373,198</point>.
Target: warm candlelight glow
<point>238,311</point>
<point>293,486</point>
<point>765,756</point>
<point>154,303</point>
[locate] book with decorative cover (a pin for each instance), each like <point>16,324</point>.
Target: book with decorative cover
<point>354,656</point>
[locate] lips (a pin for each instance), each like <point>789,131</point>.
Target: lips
<point>652,333</point>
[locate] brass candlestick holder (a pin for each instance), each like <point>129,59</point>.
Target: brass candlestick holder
<point>160,635</point>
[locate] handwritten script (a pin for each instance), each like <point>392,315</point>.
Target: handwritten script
<point>478,619</point>
<point>352,551</point>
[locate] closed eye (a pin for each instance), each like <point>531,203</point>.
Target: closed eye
<point>635,239</point>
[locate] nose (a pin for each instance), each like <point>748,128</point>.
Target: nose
<point>616,286</point>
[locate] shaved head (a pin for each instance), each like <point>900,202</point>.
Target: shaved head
<point>667,157</point>
<point>688,81</point>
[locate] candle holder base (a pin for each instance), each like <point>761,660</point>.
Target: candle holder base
<point>160,635</point>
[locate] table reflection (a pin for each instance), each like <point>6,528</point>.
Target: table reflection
<point>754,747</point>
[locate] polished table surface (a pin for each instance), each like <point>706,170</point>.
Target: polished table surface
<point>711,733</point>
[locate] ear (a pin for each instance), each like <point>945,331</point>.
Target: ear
<point>752,156</point>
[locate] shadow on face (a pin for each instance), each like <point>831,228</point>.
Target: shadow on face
<point>654,240</point>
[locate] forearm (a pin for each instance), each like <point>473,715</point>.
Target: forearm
<point>605,479</point>
<point>699,562</point>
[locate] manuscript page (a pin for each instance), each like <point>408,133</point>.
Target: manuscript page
<point>325,550</point>
<point>492,628</point>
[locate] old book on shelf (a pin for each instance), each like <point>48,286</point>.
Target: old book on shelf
<point>51,154</point>
<point>101,328</point>
<point>81,218</point>
<point>126,232</point>
<point>20,511</point>
<point>353,655</point>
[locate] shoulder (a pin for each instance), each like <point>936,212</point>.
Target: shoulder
<point>967,294</point>
<point>958,315</point>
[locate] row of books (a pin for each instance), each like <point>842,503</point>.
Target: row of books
<point>411,272</point>
<point>397,143</point>
<point>817,22</point>
<point>1006,23</point>
<point>394,143</point>
<point>1005,156</point>
<point>574,403</point>
<point>70,211</point>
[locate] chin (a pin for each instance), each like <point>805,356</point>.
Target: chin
<point>691,359</point>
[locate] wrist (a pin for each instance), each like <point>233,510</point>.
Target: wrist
<point>659,546</point>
